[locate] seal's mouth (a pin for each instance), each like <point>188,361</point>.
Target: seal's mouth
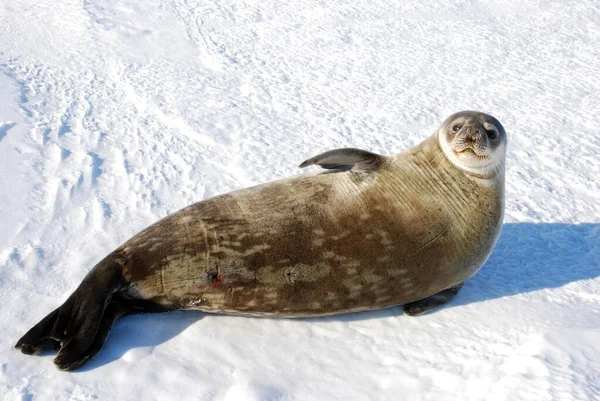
<point>471,153</point>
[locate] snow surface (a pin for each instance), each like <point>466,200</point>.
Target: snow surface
<point>114,113</point>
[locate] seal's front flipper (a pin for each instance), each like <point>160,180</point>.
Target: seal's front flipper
<point>432,302</point>
<point>347,159</point>
<point>74,326</point>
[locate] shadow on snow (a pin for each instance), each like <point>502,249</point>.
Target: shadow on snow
<point>531,257</point>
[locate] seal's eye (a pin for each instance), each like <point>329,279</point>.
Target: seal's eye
<point>492,134</point>
<point>456,128</point>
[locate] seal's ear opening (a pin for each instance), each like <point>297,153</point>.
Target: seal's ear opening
<point>80,326</point>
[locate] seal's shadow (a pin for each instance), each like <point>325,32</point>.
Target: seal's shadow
<point>528,257</point>
<point>141,332</point>
<point>531,257</point>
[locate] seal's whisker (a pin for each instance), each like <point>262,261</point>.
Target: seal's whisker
<point>439,155</point>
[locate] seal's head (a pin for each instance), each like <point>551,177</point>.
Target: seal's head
<point>474,142</point>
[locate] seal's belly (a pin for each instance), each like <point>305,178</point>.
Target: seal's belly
<point>304,248</point>
<point>256,268</point>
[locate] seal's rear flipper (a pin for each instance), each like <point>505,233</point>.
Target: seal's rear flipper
<point>81,322</point>
<point>72,358</point>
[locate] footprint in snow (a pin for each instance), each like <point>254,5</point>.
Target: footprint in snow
<point>4,127</point>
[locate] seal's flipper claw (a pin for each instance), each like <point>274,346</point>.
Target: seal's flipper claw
<point>433,302</point>
<point>40,346</point>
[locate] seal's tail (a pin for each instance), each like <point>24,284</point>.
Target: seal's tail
<point>79,327</point>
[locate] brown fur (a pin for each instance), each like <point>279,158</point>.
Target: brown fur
<point>321,244</point>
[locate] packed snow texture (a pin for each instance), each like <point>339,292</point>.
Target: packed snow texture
<point>114,113</point>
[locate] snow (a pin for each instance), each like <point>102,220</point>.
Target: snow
<point>114,113</point>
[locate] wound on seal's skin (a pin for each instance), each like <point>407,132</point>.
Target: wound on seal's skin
<point>215,279</point>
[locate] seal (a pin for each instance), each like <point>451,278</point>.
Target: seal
<point>371,232</point>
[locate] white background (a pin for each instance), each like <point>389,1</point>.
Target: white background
<point>114,113</point>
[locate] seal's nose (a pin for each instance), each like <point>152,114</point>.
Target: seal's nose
<point>473,132</point>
